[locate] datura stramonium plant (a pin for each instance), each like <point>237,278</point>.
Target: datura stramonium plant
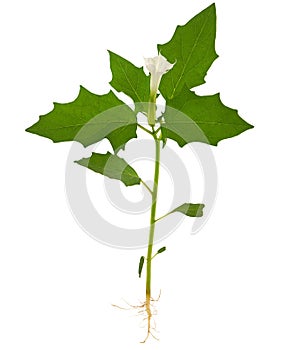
<point>180,65</point>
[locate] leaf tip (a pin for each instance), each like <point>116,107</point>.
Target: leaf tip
<point>28,129</point>
<point>211,8</point>
<point>199,210</point>
<point>111,53</point>
<point>34,129</point>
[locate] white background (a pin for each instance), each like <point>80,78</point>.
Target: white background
<point>222,288</point>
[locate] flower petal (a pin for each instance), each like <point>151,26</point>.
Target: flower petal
<point>158,65</point>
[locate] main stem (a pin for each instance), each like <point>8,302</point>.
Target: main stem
<point>152,229</point>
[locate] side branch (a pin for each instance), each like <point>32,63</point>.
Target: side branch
<point>145,129</point>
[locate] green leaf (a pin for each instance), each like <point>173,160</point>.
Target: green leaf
<point>190,209</point>
<point>141,263</point>
<point>129,79</point>
<point>193,118</point>
<point>89,119</point>
<point>161,250</point>
<point>192,47</point>
<point>111,166</point>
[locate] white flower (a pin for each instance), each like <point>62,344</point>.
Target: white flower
<point>157,66</point>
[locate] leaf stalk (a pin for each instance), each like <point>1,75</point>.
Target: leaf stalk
<point>146,186</point>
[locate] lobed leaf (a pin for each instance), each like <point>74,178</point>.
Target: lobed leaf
<point>89,119</point>
<point>192,48</point>
<point>129,79</point>
<point>193,118</point>
<point>111,166</point>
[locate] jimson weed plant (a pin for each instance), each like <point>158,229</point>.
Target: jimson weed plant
<point>180,65</point>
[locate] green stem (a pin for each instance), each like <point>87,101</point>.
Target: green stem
<point>152,110</point>
<point>152,219</point>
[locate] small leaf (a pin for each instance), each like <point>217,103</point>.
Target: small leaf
<point>161,250</point>
<point>89,119</point>
<point>129,79</point>
<point>141,263</point>
<point>190,209</point>
<point>111,166</point>
<point>206,119</point>
<point>192,48</point>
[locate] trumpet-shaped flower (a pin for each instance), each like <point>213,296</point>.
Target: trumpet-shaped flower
<point>157,66</point>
